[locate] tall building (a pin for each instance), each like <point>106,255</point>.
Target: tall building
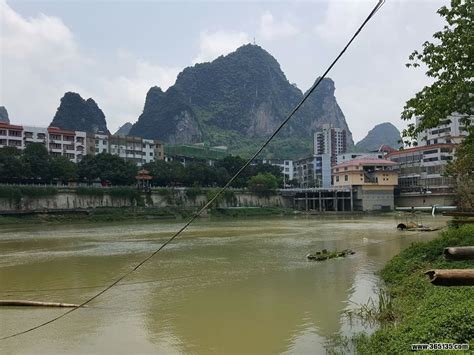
<point>330,140</point>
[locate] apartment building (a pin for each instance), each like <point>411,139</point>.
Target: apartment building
<point>422,168</point>
<point>330,140</point>
<point>75,144</point>
<point>136,149</point>
<point>70,144</point>
<point>313,171</point>
<point>451,131</point>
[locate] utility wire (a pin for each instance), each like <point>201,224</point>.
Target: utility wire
<point>211,201</point>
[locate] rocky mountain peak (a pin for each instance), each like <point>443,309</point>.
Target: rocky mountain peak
<point>76,114</point>
<point>4,115</point>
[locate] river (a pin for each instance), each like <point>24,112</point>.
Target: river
<point>226,286</point>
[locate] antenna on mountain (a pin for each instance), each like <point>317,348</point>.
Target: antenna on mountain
<point>254,43</point>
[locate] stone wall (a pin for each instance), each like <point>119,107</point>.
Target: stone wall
<point>69,200</point>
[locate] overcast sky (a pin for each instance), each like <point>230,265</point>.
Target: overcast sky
<point>114,51</point>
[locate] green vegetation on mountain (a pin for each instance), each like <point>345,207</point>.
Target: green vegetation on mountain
<point>238,100</point>
<point>382,134</point>
<point>76,114</point>
<point>4,115</point>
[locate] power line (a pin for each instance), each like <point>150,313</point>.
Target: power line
<point>226,186</point>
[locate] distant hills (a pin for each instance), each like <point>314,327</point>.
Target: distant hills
<point>382,134</point>
<point>124,129</point>
<point>75,113</point>
<point>4,115</point>
<point>236,100</point>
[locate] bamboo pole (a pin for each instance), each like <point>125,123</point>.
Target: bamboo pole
<point>25,303</point>
<point>459,253</point>
<point>451,277</point>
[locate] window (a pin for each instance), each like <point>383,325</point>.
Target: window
<point>346,178</point>
<point>14,133</point>
<point>3,132</point>
<point>337,178</point>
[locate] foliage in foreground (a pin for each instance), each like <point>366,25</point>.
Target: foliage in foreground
<point>449,63</point>
<point>424,313</point>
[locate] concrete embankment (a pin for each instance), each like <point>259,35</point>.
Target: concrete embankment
<point>89,198</point>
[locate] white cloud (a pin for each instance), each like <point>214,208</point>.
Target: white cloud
<point>372,81</point>
<point>270,29</point>
<point>342,18</point>
<point>41,60</point>
<point>215,44</point>
<point>125,94</point>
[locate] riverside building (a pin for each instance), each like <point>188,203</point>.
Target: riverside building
<point>372,181</point>
<point>421,169</point>
<point>74,145</point>
<point>330,140</point>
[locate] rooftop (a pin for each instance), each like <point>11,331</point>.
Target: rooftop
<point>365,161</point>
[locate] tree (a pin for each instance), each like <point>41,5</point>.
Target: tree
<point>462,169</point>
<point>107,167</point>
<point>263,184</point>
<point>200,174</point>
<point>449,62</point>
<point>166,174</point>
<point>62,169</point>
<point>37,161</point>
<point>12,166</point>
<point>232,164</point>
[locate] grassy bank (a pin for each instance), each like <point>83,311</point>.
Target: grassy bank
<point>421,312</point>
<point>137,214</point>
<point>97,215</point>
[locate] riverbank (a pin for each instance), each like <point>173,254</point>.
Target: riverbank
<point>101,215</point>
<point>417,311</point>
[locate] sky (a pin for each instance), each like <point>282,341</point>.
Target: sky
<point>114,51</point>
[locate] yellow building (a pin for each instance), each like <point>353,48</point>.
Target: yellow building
<point>373,182</point>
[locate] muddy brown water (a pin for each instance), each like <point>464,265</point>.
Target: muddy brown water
<point>227,286</point>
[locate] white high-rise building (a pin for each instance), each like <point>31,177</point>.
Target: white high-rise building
<point>330,140</point>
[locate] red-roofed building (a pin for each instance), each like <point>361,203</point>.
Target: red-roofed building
<point>373,181</point>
